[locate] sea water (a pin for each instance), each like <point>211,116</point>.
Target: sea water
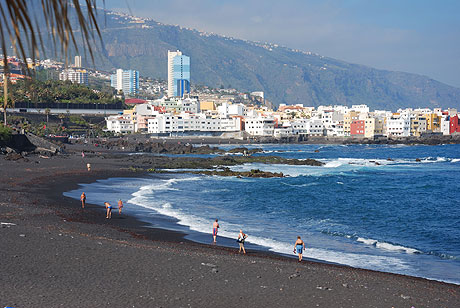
<point>381,207</point>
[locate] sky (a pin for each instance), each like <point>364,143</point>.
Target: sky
<point>415,36</point>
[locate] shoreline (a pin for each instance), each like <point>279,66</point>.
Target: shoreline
<point>170,224</point>
<point>30,184</point>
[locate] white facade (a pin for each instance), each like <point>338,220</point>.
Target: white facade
<point>284,131</point>
<point>168,123</point>
<point>315,127</point>
<point>77,62</point>
<point>360,108</point>
<point>178,105</point>
<point>190,105</point>
<point>74,75</point>
<point>260,126</point>
<point>445,125</point>
<point>226,110</point>
<point>120,124</point>
<point>399,127</point>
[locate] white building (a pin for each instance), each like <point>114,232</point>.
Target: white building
<point>226,110</point>
<point>74,75</point>
<point>185,122</point>
<point>282,131</point>
<point>190,105</point>
<point>445,125</point>
<point>77,62</point>
<point>120,124</point>
<point>398,126</point>
<point>126,81</point>
<point>360,108</point>
<point>260,126</point>
<point>299,126</point>
<point>315,127</point>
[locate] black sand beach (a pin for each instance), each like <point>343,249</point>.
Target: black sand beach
<point>55,254</point>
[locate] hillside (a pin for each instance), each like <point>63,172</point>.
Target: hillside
<point>285,75</point>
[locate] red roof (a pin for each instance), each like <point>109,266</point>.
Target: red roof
<point>134,101</point>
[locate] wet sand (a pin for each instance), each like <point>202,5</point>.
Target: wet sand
<point>59,255</point>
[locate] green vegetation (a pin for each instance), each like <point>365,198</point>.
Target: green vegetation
<point>5,133</point>
<point>55,91</point>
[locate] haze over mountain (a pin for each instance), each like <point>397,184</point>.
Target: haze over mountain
<point>285,75</point>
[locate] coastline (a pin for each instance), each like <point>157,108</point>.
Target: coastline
<point>33,200</point>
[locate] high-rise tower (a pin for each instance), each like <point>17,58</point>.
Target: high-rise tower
<point>125,80</point>
<point>178,74</point>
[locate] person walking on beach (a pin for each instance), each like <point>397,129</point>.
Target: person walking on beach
<point>83,200</point>
<point>120,206</point>
<point>109,210</point>
<point>241,238</point>
<point>88,166</point>
<point>299,247</point>
<point>215,226</point>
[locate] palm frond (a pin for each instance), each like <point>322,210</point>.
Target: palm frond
<point>19,26</point>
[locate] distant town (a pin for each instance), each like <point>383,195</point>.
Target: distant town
<point>177,108</point>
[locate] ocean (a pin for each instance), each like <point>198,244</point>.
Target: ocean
<point>391,208</point>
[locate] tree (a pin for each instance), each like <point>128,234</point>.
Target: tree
<point>47,112</point>
<point>19,27</point>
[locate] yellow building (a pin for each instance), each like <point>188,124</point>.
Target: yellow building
<point>369,127</point>
<point>205,106</point>
<point>433,122</point>
<point>131,113</point>
<point>347,119</point>
<point>418,125</point>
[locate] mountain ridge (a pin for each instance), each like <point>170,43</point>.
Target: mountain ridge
<point>286,75</point>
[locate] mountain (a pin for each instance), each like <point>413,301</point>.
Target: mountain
<point>285,75</point>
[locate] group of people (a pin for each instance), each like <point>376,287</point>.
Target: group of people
<point>108,206</point>
<point>299,245</point>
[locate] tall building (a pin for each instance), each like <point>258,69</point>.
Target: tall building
<point>74,75</point>
<point>178,74</point>
<point>126,81</point>
<point>77,62</point>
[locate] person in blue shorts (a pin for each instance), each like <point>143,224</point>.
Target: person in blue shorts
<point>299,247</point>
<point>108,206</point>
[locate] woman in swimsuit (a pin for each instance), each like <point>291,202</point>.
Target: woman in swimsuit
<point>120,206</point>
<point>109,210</point>
<point>299,247</point>
<point>83,200</point>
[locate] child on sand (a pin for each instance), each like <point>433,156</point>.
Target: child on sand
<point>83,200</point>
<point>120,206</point>
<point>299,247</point>
<point>109,210</point>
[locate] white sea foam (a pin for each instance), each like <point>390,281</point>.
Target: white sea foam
<point>300,185</point>
<point>455,160</point>
<point>144,197</point>
<point>387,246</point>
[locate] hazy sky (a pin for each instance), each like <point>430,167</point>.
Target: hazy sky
<point>417,36</point>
